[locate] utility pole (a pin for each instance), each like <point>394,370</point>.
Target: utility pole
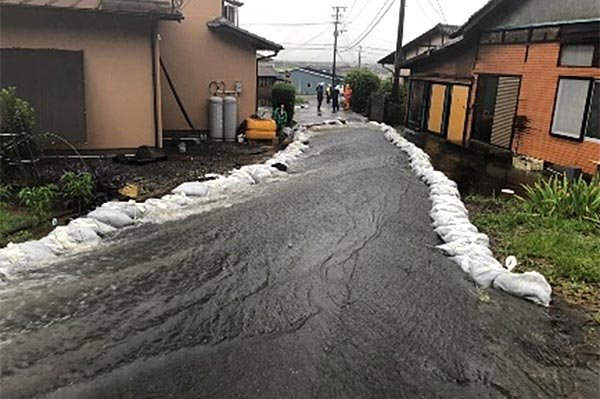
<point>399,53</point>
<point>359,56</point>
<point>338,15</point>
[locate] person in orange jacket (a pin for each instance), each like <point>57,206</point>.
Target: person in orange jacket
<point>347,97</point>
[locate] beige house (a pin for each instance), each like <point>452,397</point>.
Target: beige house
<point>207,46</point>
<point>90,68</point>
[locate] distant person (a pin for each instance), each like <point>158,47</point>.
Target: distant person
<point>328,94</point>
<point>347,97</point>
<point>320,94</point>
<point>280,116</point>
<point>335,98</point>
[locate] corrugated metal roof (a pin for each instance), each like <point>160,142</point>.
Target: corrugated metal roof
<point>161,8</point>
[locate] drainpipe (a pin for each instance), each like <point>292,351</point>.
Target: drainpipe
<point>264,57</point>
<point>153,38</point>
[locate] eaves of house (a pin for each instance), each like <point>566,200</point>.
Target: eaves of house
<point>161,9</point>
<point>224,26</point>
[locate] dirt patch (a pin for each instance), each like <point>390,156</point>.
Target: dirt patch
<point>159,178</point>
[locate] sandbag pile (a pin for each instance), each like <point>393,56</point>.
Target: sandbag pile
<point>463,242</point>
<point>87,232</point>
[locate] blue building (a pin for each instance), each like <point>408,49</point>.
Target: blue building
<point>307,79</point>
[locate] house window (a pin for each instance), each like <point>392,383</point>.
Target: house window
<point>578,55</point>
<point>516,36</point>
<point>592,129</point>
<point>230,13</point>
<point>571,108</point>
<point>544,34</point>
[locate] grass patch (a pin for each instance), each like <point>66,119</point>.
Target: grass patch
<point>15,226</point>
<point>565,250</point>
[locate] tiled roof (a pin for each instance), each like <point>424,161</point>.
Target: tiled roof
<point>161,8</point>
<point>439,28</point>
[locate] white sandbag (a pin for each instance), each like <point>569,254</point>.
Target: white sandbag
<point>485,273</point>
<point>178,200</point>
<point>259,173</point>
<point>100,228</point>
<point>131,209</point>
<point>82,235</point>
<point>111,217</point>
<point>36,251</point>
<point>192,189</point>
<point>467,228</point>
<point>465,237</point>
<point>530,285</point>
<point>244,177</point>
<point>461,248</point>
<point>73,238</point>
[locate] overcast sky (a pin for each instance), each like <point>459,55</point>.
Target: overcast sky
<point>282,21</point>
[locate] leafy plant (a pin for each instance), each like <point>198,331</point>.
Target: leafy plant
<point>284,93</point>
<point>363,82</point>
<point>5,192</point>
<point>16,115</point>
<point>39,200</point>
<point>78,188</point>
<point>561,197</point>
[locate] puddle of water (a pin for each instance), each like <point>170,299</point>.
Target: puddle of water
<point>475,173</point>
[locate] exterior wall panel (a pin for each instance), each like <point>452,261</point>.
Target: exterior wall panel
<point>540,73</point>
<point>195,56</point>
<point>117,63</point>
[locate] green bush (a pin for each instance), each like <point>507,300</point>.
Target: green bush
<point>39,200</point>
<point>561,197</point>
<point>284,93</point>
<point>16,115</point>
<point>78,188</point>
<point>363,83</point>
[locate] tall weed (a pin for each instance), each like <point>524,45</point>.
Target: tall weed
<point>561,197</point>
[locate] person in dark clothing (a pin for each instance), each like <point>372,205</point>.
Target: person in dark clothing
<point>320,94</point>
<point>328,94</point>
<point>335,98</point>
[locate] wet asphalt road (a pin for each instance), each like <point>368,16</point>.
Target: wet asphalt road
<point>326,285</point>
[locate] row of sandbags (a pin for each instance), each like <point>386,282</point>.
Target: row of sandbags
<point>87,232</point>
<point>463,242</point>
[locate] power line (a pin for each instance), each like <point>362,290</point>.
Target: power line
<point>425,13</point>
<point>370,29</point>
<point>308,41</point>
<point>285,24</point>
<point>442,11</point>
<point>440,14</point>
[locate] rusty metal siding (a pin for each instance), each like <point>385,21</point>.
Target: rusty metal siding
<point>506,108</point>
<point>52,82</point>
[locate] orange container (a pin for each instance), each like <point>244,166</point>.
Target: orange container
<point>260,134</point>
<point>267,125</point>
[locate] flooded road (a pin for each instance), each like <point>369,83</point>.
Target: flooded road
<point>326,285</point>
<point>474,172</point>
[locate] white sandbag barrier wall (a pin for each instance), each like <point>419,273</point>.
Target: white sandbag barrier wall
<point>87,232</point>
<point>464,244</point>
